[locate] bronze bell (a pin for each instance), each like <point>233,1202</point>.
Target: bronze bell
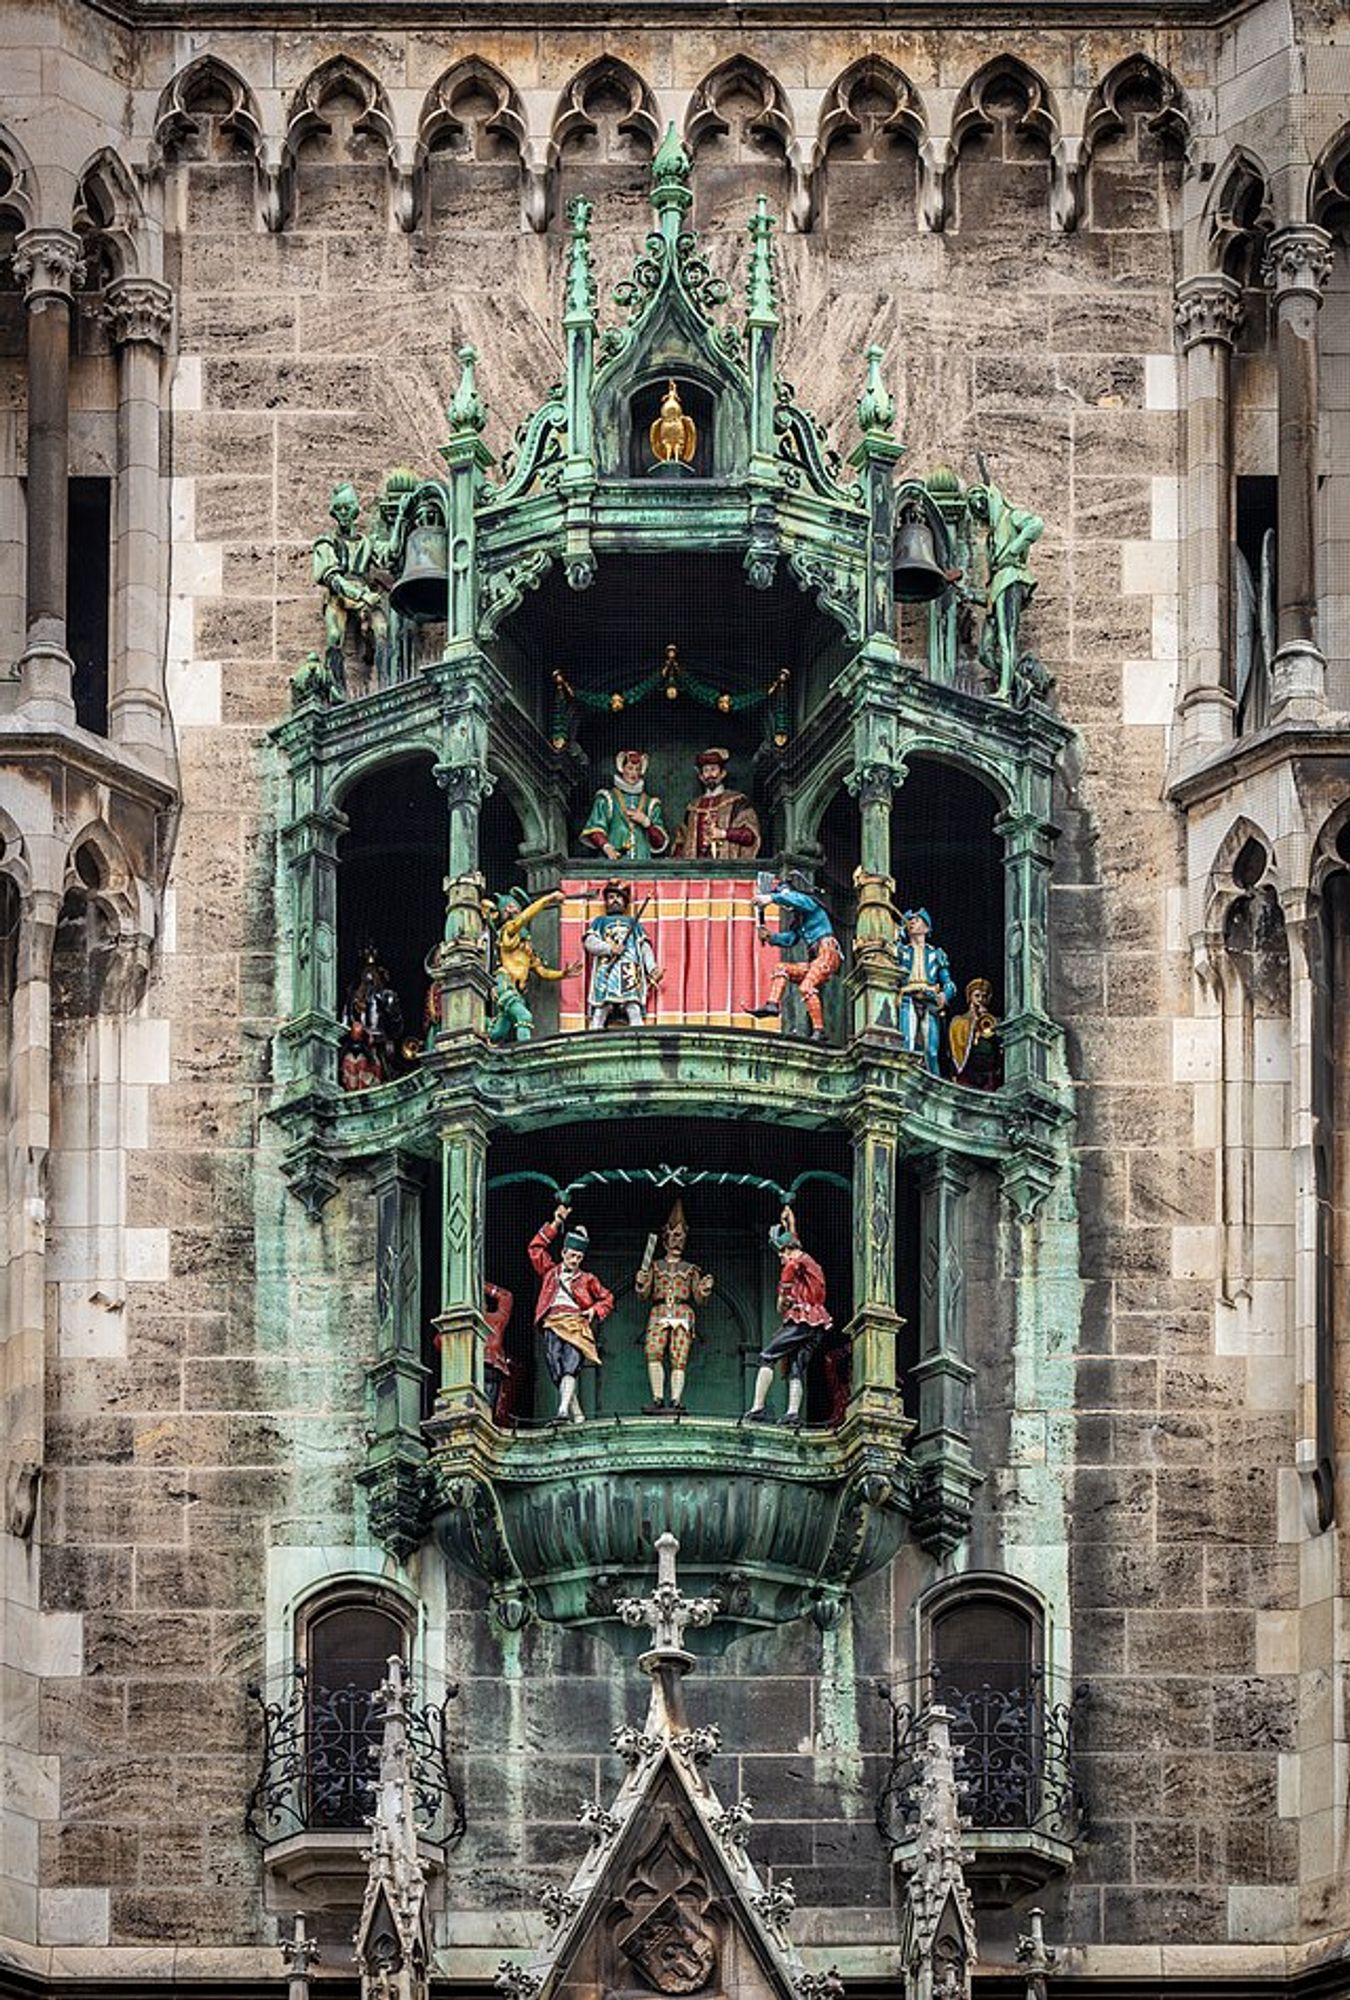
<point>918,576</point>
<point>423,589</point>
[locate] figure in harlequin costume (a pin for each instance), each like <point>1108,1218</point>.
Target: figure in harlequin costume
<point>497,1307</point>
<point>509,917</point>
<point>927,988</point>
<point>570,1306</point>
<point>805,1322</point>
<point>973,1039</point>
<point>625,973</point>
<point>808,924</point>
<point>626,822</point>
<point>719,825</point>
<point>673,1285</point>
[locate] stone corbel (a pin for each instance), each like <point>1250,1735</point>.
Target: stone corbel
<point>935,163</point>
<point>1067,172</point>
<point>535,195</point>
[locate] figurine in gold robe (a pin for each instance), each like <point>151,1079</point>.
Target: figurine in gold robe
<point>674,438</point>
<point>973,1040</point>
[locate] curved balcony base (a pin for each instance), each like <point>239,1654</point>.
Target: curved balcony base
<point>774,1524</point>
<point>1003,1865</point>
<point>320,1870</point>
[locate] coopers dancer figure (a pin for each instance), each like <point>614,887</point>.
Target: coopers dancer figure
<point>571,1304</point>
<point>805,1322</point>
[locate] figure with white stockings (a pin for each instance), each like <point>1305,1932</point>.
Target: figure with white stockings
<point>805,1322</point>
<point>571,1304</point>
<point>673,1285</point>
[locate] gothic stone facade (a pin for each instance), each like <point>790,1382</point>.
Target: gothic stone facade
<point>1111,257</point>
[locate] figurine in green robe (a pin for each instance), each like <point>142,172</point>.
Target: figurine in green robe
<point>626,822</point>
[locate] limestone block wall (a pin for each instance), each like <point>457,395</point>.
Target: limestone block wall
<point>205,1411</point>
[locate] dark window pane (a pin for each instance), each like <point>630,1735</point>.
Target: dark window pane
<point>89,510</point>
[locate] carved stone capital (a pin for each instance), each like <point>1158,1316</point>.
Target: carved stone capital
<point>138,309</point>
<point>1297,262</point>
<point>1208,310</point>
<point>873,784</point>
<point>50,262</point>
<point>464,785</point>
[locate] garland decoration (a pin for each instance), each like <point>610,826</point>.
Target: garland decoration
<point>673,678</point>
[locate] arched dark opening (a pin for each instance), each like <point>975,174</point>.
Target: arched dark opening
<point>82,956</point>
<point>946,858</point>
<point>390,875</point>
<point>985,1666</point>
<point>500,837</point>
<point>347,1650</point>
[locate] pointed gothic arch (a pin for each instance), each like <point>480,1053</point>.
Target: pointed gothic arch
<point>443,116</point>
<point>740,75</point>
<point>608,75</point>
<point>1006,95</point>
<point>843,114</point>
<point>340,76</point>
<point>205,89</point>
<point>109,215</point>
<point>1236,214</point>
<point>18,182</point>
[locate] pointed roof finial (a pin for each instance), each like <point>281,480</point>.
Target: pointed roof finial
<point>670,177</point>
<point>762,277</point>
<point>467,411</point>
<point>580,309</point>
<point>393,1937</point>
<point>876,405</point>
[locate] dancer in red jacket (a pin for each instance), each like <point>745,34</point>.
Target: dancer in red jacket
<point>805,1322</point>
<point>571,1304</point>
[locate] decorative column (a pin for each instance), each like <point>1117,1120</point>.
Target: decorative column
<point>1208,316</point>
<point>313,1031</point>
<point>50,263</point>
<point>873,978</point>
<point>1027,1033</point>
<point>396,1454</point>
<point>1309,1025</point>
<point>578,474</point>
<point>139,313</point>
<point>460,1322</point>
<point>941,1446</point>
<point>876,1324</point>
<point>876,457</point>
<point>1297,265</point>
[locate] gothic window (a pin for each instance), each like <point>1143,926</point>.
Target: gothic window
<point>345,1645</point>
<point>984,1649</point>
<point>88,597</point>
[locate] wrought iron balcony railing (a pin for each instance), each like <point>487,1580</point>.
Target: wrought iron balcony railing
<point>321,1754</point>
<point>1015,1731</point>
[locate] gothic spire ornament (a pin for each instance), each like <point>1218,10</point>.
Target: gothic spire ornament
<point>938,1945</point>
<point>393,1937</point>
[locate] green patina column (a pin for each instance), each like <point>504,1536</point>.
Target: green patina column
<point>310,843</point>
<point>876,457</point>
<point>1027,1032</point>
<point>876,1324</point>
<point>460,1322</point>
<point>396,1457</point>
<point>577,484</point>
<point>941,1446</point>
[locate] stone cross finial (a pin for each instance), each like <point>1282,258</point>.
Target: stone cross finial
<point>298,1952</point>
<point>667,1611</point>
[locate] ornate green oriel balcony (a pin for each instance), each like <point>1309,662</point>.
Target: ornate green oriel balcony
<point>776,567</point>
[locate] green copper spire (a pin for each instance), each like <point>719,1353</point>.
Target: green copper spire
<point>670,181</point>
<point>876,405</point>
<point>761,280</point>
<point>580,284</point>
<point>467,411</point>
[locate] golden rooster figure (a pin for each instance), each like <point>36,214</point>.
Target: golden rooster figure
<point>674,436</point>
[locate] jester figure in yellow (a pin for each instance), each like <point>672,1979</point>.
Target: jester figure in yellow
<point>674,1286</point>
